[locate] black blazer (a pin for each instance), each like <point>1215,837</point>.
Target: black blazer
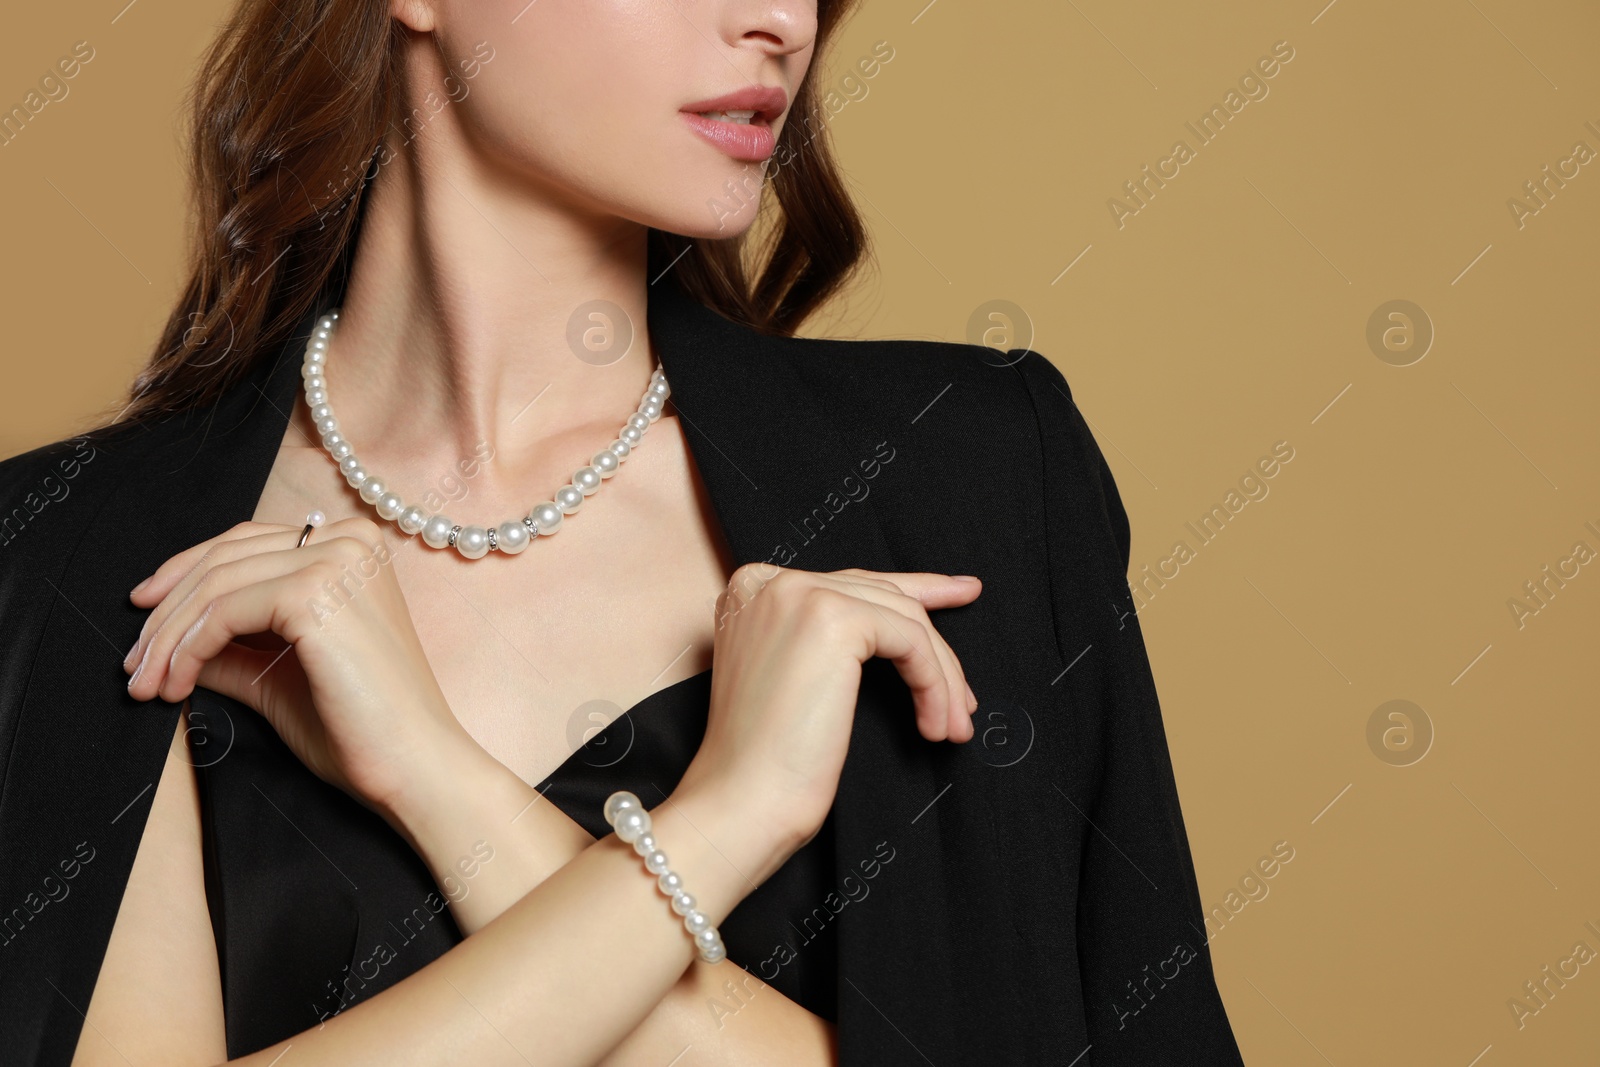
<point>1042,905</point>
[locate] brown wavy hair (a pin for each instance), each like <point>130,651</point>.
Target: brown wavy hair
<point>287,116</point>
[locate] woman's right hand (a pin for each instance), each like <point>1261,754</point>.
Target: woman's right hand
<point>787,675</point>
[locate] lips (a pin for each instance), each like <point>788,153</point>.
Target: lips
<point>747,135</point>
<point>768,103</point>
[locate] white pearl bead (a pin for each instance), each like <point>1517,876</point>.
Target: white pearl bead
<point>473,542</point>
<point>631,823</point>
<point>317,382</point>
<point>316,396</point>
<point>682,902</point>
<point>656,862</point>
<point>644,845</point>
<point>317,355</point>
<point>512,537</point>
<point>715,955</point>
<point>696,921</point>
<point>348,464</point>
<point>546,518</point>
<point>631,434</point>
<point>707,939</point>
<point>436,531</point>
<point>670,883</point>
<point>658,387</point>
<point>568,498</point>
<point>341,450</point>
<point>390,505</point>
<point>311,370</point>
<point>331,438</point>
<point>605,462</point>
<point>372,489</point>
<point>619,802</point>
<point>620,448</point>
<point>321,411</point>
<point>327,425</point>
<point>411,519</point>
<point>587,479</point>
<point>639,422</point>
<point>356,476</point>
<point>316,518</point>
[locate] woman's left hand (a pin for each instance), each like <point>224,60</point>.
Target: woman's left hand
<point>347,685</point>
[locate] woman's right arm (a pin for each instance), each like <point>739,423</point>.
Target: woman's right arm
<point>561,977</point>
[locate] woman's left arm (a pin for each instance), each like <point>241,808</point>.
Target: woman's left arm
<point>368,660</point>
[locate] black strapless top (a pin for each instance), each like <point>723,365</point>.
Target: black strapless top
<point>317,904</point>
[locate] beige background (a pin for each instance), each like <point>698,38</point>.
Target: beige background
<point>1228,314</point>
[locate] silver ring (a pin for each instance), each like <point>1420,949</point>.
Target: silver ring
<point>305,535</point>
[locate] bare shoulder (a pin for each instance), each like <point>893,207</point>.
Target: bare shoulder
<point>159,995</point>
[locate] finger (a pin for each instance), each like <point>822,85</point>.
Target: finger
<point>154,588</point>
<point>962,702</point>
<point>245,539</point>
<point>175,586</point>
<point>218,581</point>
<point>957,704</point>
<point>908,644</point>
<point>250,609</point>
<point>933,589</point>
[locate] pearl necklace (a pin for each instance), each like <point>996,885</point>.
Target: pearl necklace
<point>472,542</point>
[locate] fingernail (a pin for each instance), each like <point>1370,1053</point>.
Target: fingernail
<point>135,677</point>
<point>964,577</point>
<point>972,700</point>
<point>127,661</point>
<point>140,586</point>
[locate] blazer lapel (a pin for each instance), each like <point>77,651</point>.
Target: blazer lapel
<point>770,457</point>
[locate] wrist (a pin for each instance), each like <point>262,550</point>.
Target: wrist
<point>751,807</point>
<point>723,845</point>
<point>450,795</point>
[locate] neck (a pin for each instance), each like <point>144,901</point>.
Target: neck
<point>457,325</point>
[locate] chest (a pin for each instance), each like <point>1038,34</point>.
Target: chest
<point>536,652</point>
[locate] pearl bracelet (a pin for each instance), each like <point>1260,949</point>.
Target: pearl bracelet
<point>632,824</point>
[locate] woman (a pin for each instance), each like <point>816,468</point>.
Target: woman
<point>351,806</point>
